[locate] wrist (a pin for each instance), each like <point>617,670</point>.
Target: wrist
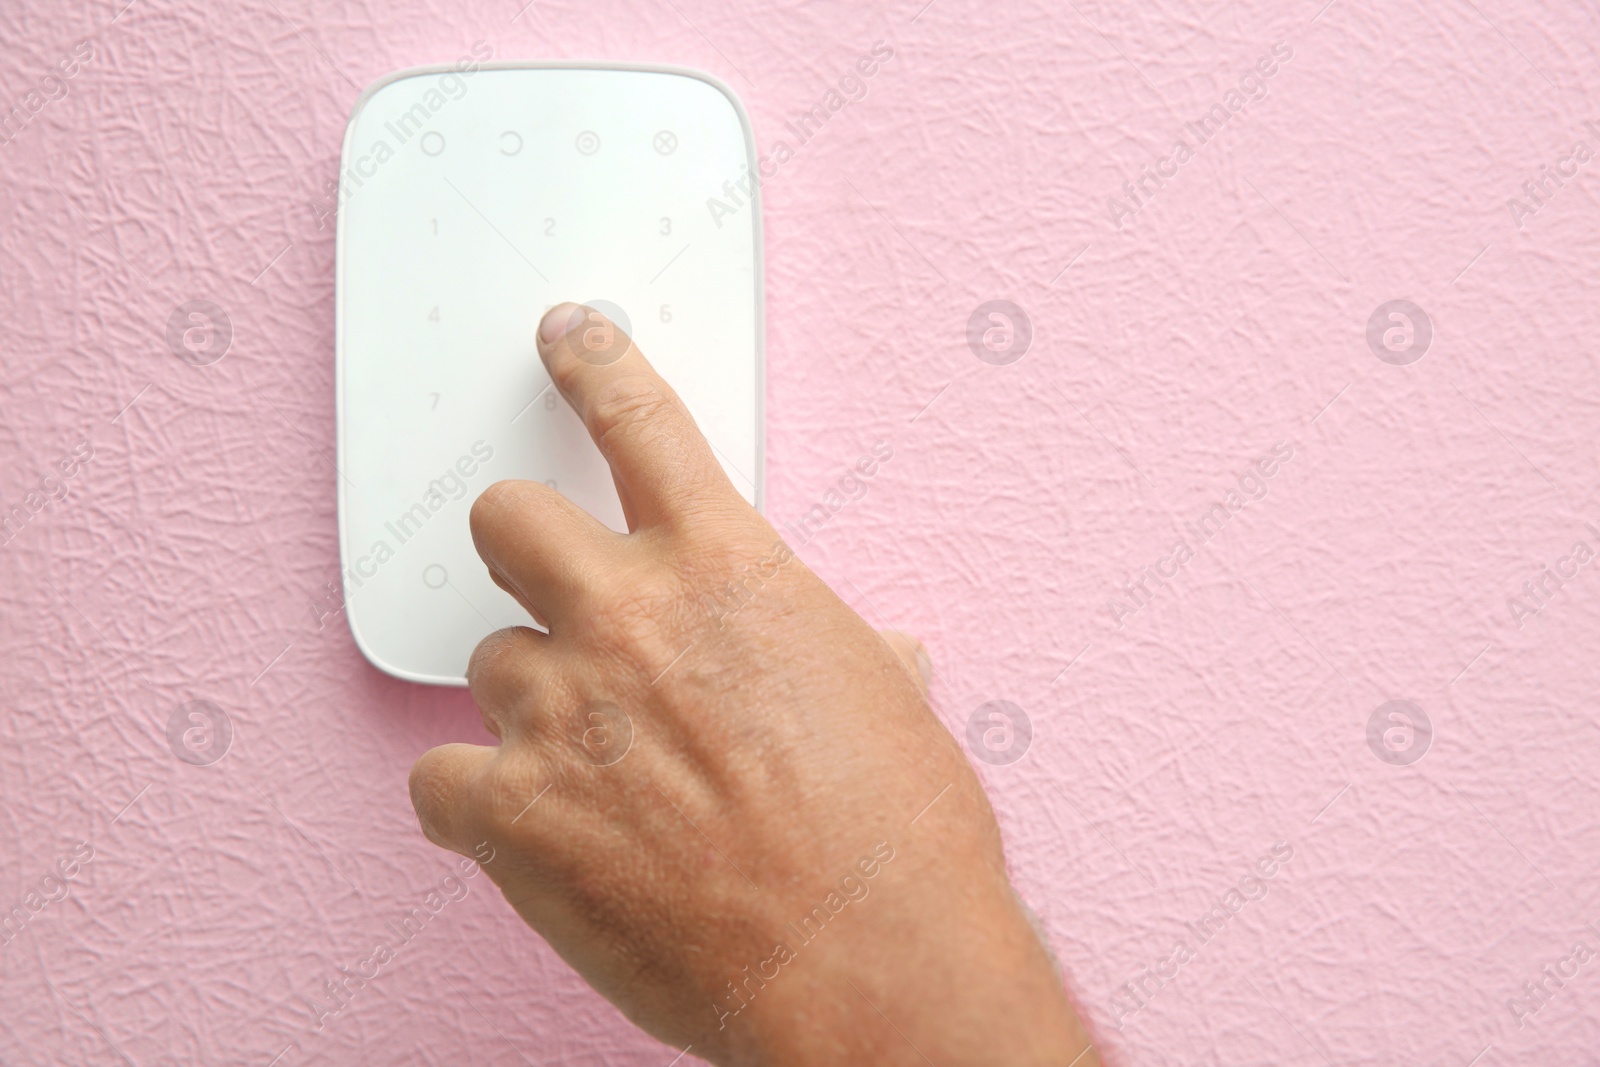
<point>907,985</point>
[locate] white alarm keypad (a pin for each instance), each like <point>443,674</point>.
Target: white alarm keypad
<point>470,203</point>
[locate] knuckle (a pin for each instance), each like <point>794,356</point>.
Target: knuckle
<point>632,608</point>
<point>423,775</point>
<point>494,502</point>
<point>493,661</point>
<point>505,790</point>
<point>564,373</point>
<point>633,405</point>
<point>429,794</point>
<point>727,546</point>
<point>736,565</point>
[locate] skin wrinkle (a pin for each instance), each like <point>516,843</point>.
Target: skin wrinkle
<point>656,914</point>
<point>510,657</point>
<point>755,738</point>
<point>773,745</point>
<point>634,408</point>
<point>496,511</point>
<point>188,151</point>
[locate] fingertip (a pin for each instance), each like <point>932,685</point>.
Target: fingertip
<point>557,321</point>
<point>574,336</point>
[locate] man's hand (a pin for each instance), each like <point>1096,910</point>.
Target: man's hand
<point>719,794</point>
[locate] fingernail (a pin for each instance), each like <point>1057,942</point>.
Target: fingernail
<point>556,322</point>
<point>924,667</point>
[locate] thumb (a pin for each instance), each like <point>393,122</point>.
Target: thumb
<point>442,784</point>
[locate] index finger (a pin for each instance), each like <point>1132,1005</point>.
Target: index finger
<point>662,464</point>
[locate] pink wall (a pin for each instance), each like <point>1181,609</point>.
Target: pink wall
<point>1183,741</point>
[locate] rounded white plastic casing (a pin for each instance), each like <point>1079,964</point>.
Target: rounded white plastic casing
<point>470,202</point>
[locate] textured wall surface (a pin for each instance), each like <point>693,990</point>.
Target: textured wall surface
<point>1180,332</point>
